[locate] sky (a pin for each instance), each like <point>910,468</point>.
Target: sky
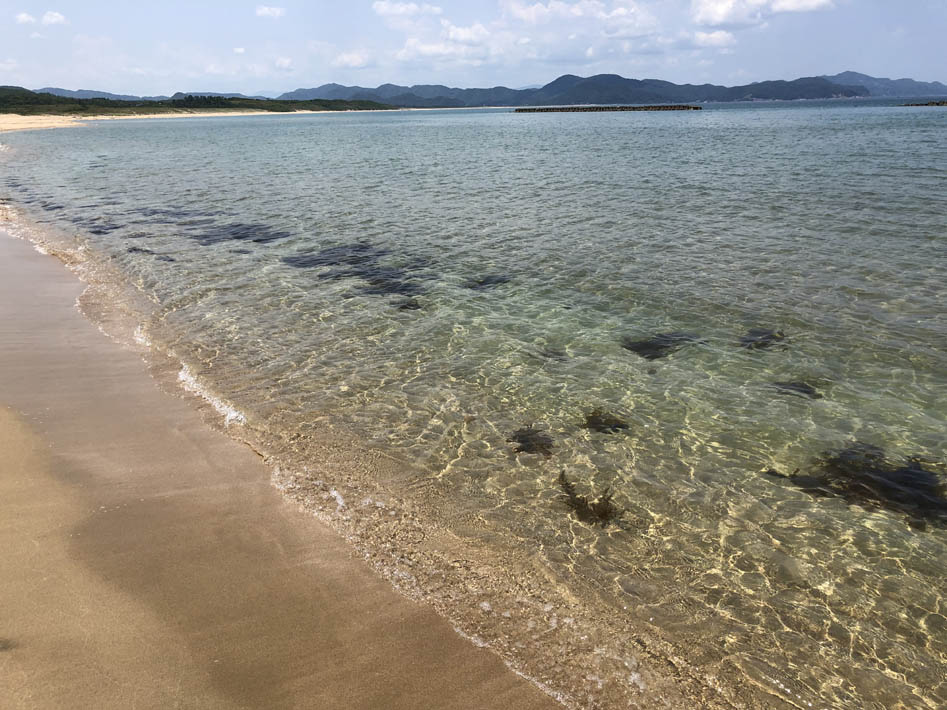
<point>149,48</point>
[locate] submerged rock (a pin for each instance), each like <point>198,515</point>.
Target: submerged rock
<point>798,388</point>
<point>485,282</point>
<point>604,423</point>
<point>600,511</point>
<point>409,304</point>
<point>239,232</point>
<point>360,260</point>
<point>531,441</point>
<point>352,254</point>
<point>862,474</point>
<point>554,354</point>
<point>661,345</point>
<point>761,338</point>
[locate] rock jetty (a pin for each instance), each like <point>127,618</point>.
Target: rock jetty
<point>558,109</point>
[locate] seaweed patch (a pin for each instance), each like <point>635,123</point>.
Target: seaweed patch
<point>800,389</point>
<point>531,441</point>
<point>659,346</point>
<point>604,423</point>
<point>600,511</point>
<point>862,474</point>
<point>240,231</point>
<point>484,282</point>
<point>761,338</point>
<point>360,260</point>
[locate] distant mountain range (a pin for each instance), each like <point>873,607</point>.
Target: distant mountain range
<point>890,87</point>
<point>87,94</point>
<point>570,90</point>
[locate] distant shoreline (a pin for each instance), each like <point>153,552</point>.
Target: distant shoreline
<point>10,122</point>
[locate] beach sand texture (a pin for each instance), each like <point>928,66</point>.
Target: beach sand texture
<point>147,561</point>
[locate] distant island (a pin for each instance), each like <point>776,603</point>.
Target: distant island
<point>15,99</point>
<point>567,90</point>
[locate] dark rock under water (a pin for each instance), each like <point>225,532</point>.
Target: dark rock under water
<point>240,231</point>
<point>531,441</point>
<point>604,423</point>
<point>862,474</point>
<point>800,389</point>
<point>659,346</point>
<point>762,338</point>
<point>353,254</point>
<point>485,282</point>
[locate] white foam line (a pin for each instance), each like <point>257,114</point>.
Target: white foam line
<point>190,383</point>
<point>141,338</point>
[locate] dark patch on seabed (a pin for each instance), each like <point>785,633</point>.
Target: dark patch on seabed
<point>554,354</point>
<point>800,389</point>
<point>604,423</point>
<point>361,260</point>
<point>762,338</point>
<point>7,644</point>
<point>484,282</point>
<point>344,254</point>
<point>529,440</point>
<point>862,474</point>
<point>239,231</point>
<point>659,346</point>
<point>600,511</point>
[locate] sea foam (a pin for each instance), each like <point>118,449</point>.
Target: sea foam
<point>230,414</point>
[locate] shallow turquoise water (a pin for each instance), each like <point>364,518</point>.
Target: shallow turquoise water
<point>435,281</point>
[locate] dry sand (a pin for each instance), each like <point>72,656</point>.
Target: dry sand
<point>15,122</point>
<point>148,563</point>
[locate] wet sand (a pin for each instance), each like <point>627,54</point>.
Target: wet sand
<point>147,561</point>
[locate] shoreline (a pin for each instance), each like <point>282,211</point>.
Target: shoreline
<point>150,550</point>
<point>10,122</point>
<point>489,593</point>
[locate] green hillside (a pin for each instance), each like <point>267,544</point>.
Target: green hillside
<point>15,99</point>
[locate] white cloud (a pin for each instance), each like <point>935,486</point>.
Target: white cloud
<point>475,34</point>
<point>25,18</point>
<point>748,12</point>
<point>239,50</point>
<point>37,35</point>
<point>385,8</point>
<point>272,12</point>
<point>8,65</point>
<point>50,17</point>
<point>415,49</point>
<point>720,38</point>
<point>284,63</point>
<point>352,60</point>
<point>800,5</point>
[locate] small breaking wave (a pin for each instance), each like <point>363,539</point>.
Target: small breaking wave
<point>230,414</point>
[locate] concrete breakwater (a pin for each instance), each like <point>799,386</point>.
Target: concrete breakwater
<point>549,109</point>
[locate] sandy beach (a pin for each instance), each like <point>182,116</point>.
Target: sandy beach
<point>15,122</point>
<point>149,563</point>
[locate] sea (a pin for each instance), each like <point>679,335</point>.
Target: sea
<point>654,405</point>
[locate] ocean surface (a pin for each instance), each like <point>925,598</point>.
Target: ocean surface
<point>452,333</point>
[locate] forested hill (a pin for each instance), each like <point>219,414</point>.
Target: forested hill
<point>15,99</point>
<point>571,90</point>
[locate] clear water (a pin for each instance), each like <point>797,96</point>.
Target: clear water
<point>324,276</point>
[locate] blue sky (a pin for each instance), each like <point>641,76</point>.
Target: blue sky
<point>162,47</point>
